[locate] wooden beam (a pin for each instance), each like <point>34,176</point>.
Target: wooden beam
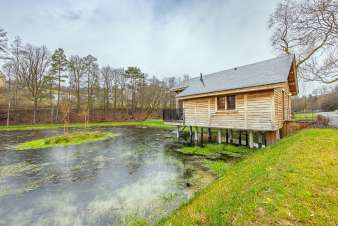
<point>209,135</point>
<point>201,141</point>
<point>190,134</point>
<point>240,138</point>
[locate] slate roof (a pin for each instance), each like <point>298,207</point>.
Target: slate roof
<point>266,72</point>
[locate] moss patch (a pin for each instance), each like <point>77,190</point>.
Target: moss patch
<point>16,169</point>
<point>146,123</point>
<point>293,182</point>
<point>65,140</point>
<point>215,150</point>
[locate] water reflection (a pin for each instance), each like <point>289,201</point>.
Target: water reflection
<point>103,183</point>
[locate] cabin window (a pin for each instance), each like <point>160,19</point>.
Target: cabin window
<point>221,103</point>
<point>226,103</point>
<point>231,102</point>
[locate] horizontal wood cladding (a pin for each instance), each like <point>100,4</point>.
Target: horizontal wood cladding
<point>282,102</point>
<point>253,111</point>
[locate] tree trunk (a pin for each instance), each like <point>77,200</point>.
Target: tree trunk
<point>15,99</point>
<point>78,96</point>
<point>115,96</point>
<point>34,110</point>
<point>104,104</point>
<point>58,101</point>
<point>8,112</point>
<point>51,106</point>
<point>88,96</point>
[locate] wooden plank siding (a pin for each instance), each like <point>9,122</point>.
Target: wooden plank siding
<point>282,106</point>
<point>260,111</point>
<point>254,111</point>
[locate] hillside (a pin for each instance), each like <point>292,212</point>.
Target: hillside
<point>292,182</point>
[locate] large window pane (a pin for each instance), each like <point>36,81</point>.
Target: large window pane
<point>221,103</point>
<point>231,102</point>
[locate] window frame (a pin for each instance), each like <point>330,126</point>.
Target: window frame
<point>225,109</point>
<point>234,103</point>
<point>217,97</point>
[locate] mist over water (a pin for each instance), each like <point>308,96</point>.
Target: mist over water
<point>113,182</point>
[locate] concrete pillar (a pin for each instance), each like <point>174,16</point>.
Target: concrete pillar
<point>251,139</point>
<point>230,136</point>
<point>201,141</point>
<point>219,136</point>
<point>196,135</point>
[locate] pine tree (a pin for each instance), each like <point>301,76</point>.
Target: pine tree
<point>59,66</point>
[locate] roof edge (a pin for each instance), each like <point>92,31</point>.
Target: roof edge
<point>237,90</point>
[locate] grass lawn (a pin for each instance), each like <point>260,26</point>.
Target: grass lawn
<point>307,116</point>
<point>146,123</point>
<point>293,182</point>
<point>65,140</point>
<point>218,167</point>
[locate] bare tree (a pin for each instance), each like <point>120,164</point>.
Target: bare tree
<point>117,79</point>
<point>33,70</point>
<point>91,69</point>
<point>106,73</point>
<point>8,70</point>
<point>308,28</point>
<point>84,112</point>
<point>16,51</point>
<point>153,94</point>
<point>65,109</point>
<point>122,84</point>
<point>3,44</point>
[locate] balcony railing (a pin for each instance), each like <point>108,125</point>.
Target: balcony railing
<point>172,115</point>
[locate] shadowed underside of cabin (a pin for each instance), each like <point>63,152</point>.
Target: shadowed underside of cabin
<point>254,98</point>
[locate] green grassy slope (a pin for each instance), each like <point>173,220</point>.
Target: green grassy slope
<point>292,182</point>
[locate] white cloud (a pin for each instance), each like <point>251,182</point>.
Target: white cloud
<point>164,38</point>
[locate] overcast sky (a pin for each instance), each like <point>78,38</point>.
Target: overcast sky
<point>162,37</point>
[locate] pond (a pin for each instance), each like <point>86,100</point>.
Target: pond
<point>133,177</point>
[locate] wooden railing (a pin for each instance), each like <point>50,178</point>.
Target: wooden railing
<point>171,115</point>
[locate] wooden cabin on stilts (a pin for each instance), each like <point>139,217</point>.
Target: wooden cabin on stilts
<point>246,105</point>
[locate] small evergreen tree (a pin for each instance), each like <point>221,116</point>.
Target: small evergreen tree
<point>59,66</point>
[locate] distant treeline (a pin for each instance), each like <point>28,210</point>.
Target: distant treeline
<point>323,100</point>
<point>36,77</point>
